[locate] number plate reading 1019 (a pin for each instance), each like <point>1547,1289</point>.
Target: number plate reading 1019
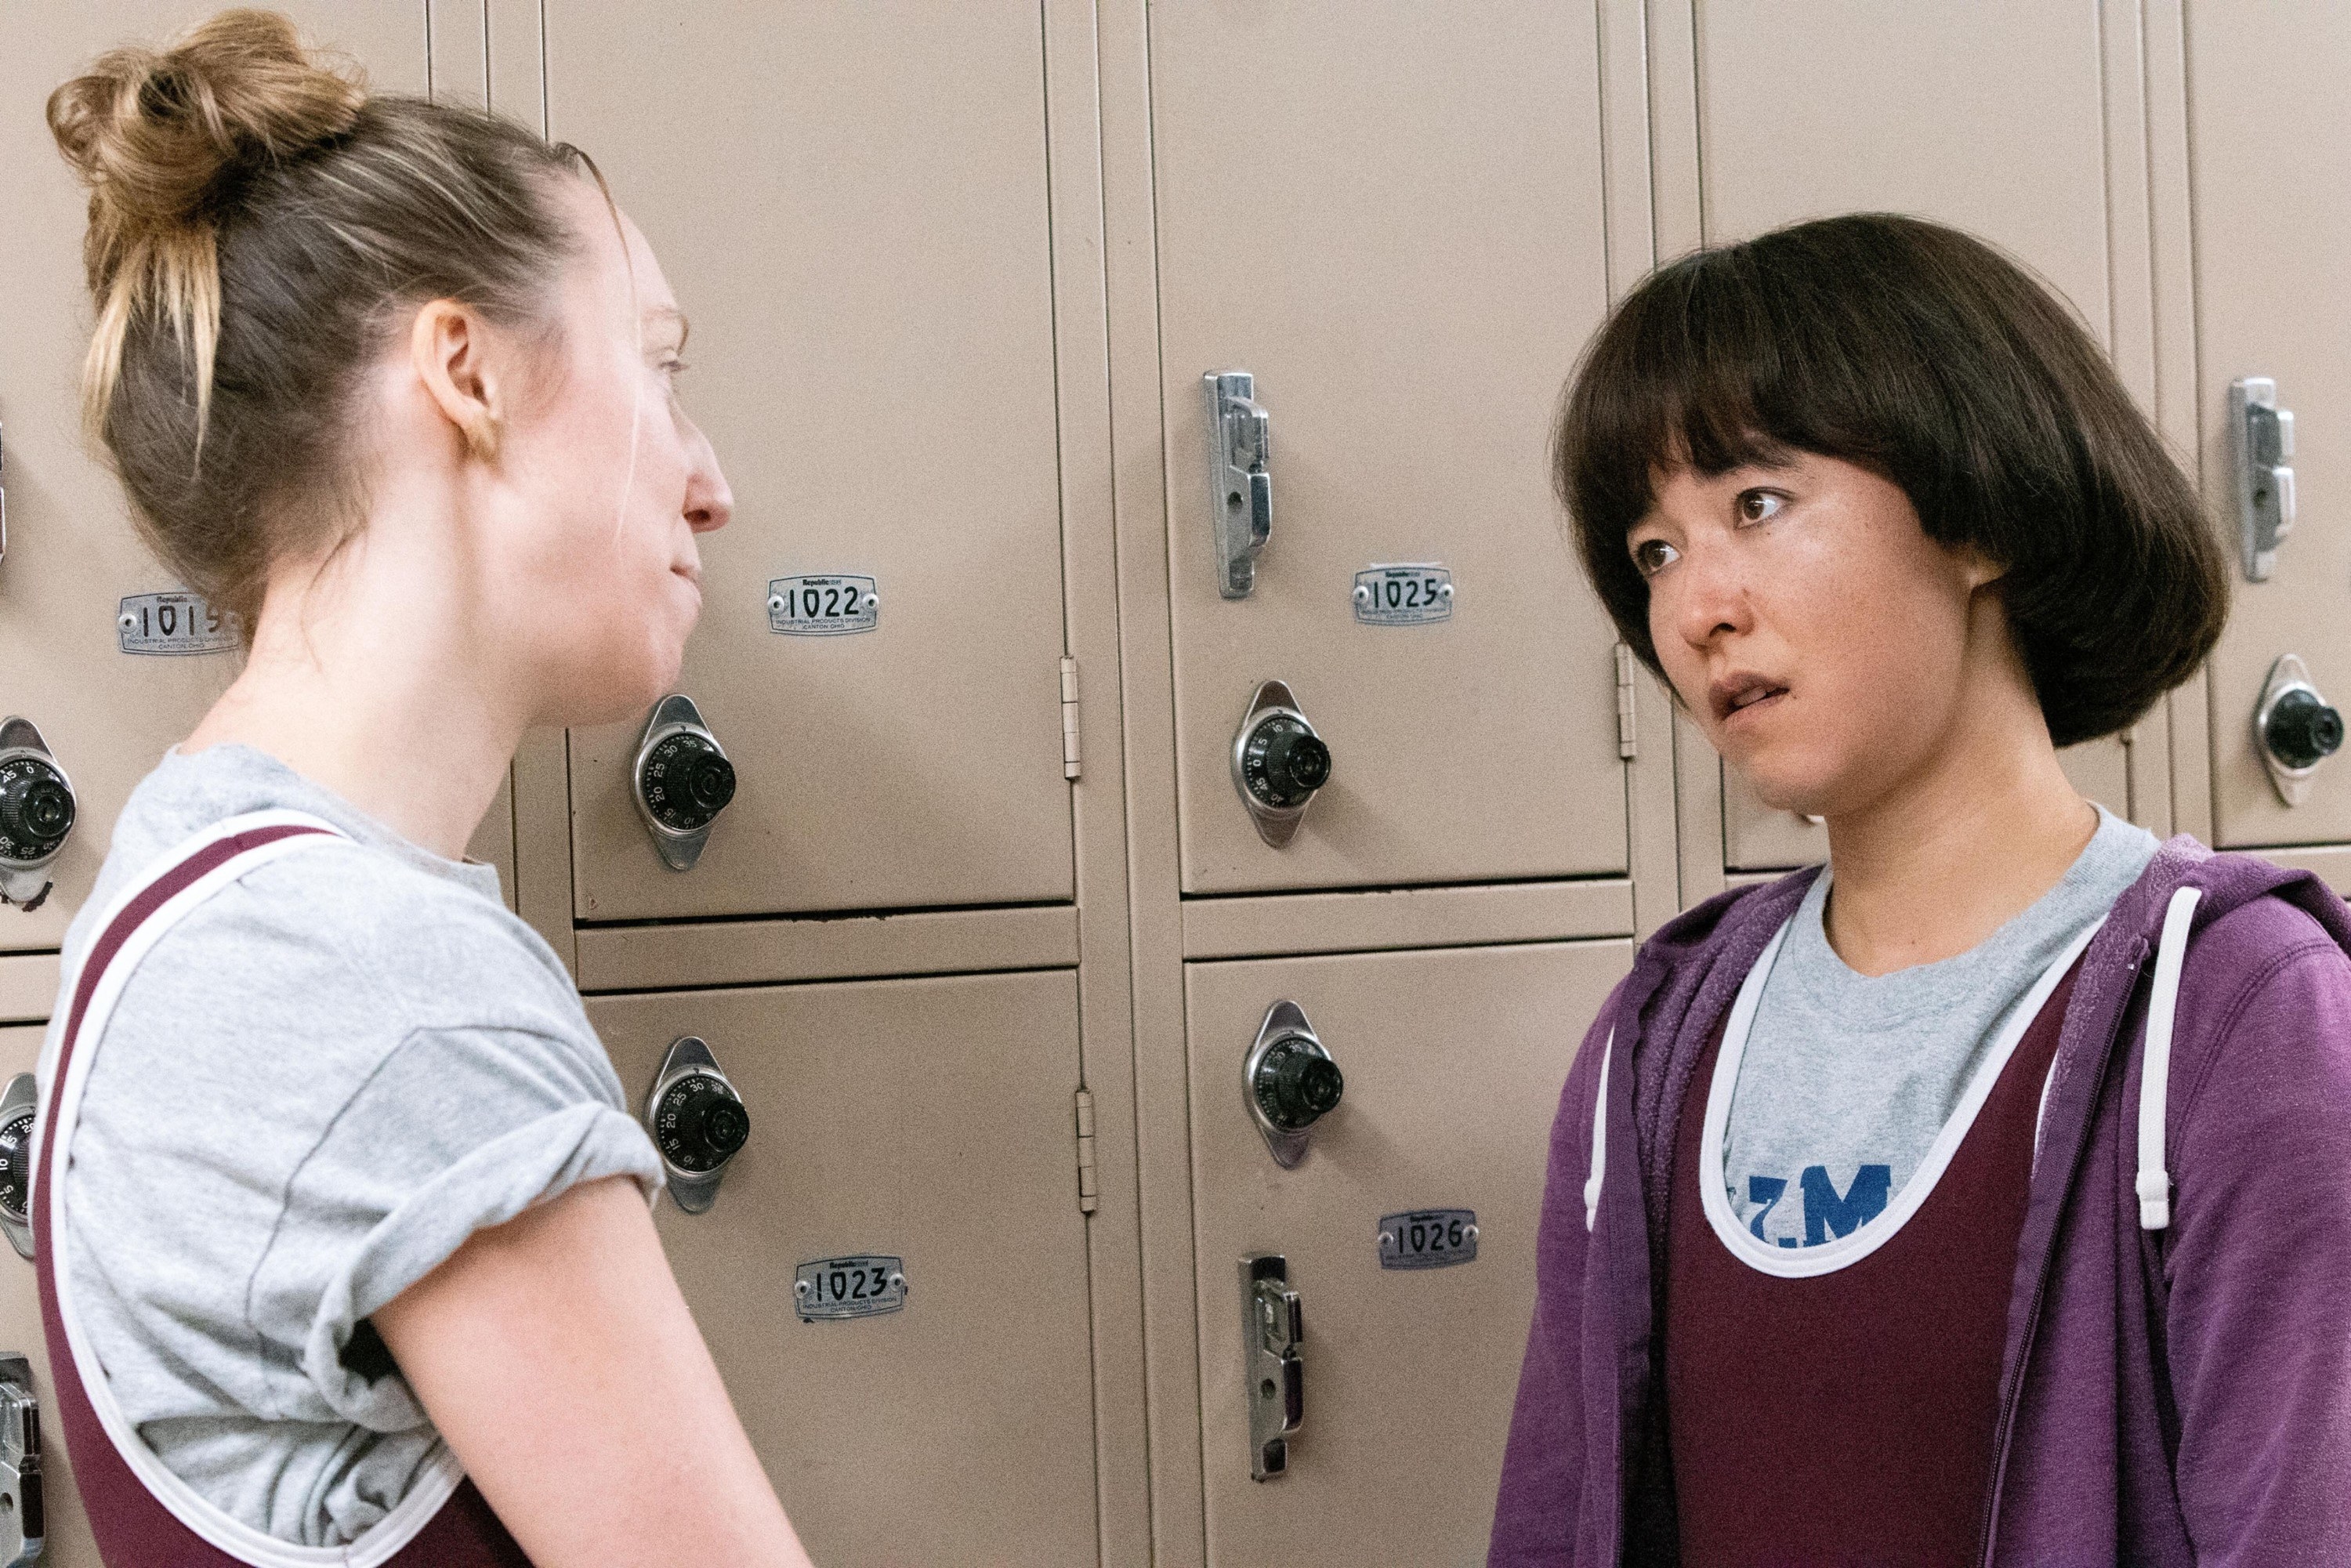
<point>832,1288</point>
<point>1404,595</point>
<point>1428,1238</point>
<point>823,606</point>
<point>172,623</point>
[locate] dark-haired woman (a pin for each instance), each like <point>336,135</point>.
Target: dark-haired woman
<point>1984,1197</point>
<point>341,1220</point>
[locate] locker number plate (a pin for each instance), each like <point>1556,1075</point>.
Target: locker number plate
<point>172,624</point>
<point>823,606</point>
<point>835,1288</point>
<point>1404,595</point>
<point>1428,1238</point>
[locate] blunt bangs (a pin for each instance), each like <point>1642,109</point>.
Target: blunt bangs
<point>1926,356</point>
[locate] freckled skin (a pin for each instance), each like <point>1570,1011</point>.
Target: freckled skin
<point>1834,593</point>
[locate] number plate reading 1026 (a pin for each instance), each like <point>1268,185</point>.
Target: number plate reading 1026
<point>823,606</point>
<point>1404,595</point>
<point>172,623</point>
<point>832,1288</point>
<point>1428,1238</point>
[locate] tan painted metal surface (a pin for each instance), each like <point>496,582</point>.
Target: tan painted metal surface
<point>1391,216</point>
<point>854,214</point>
<point>70,1545</point>
<point>1991,117</point>
<point>71,555</point>
<point>1453,1061</point>
<point>2270,128</point>
<point>930,1120</point>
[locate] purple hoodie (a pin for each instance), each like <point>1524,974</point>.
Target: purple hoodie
<point>2181,1396</point>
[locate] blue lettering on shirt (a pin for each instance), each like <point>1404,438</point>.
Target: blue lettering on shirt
<point>1827,1213</point>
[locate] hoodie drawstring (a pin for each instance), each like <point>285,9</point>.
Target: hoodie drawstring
<point>1599,1137</point>
<point>2155,1069</point>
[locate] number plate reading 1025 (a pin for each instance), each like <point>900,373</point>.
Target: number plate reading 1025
<point>823,606</point>
<point>832,1288</point>
<point>1404,595</point>
<point>172,623</point>
<point>1428,1238</point>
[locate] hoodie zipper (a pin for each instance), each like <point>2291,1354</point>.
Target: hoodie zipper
<point>2006,1428</point>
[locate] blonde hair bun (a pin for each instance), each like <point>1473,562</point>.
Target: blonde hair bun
<point>159,136</point>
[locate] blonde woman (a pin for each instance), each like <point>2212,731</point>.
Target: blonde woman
<point>343,1236</point>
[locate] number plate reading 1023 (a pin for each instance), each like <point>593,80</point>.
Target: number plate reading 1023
<point>832,1288</point>
<point>1428,1238</point>
<point>813,606</point>
<point>172,623</point>
<point>1404,595</point>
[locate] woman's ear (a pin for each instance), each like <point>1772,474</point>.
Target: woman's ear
<point>450,352</point>
<point>1979,569</point>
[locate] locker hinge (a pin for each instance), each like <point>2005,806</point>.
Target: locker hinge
<point>1088,1191</point>
<point>1627,745</point>
<point>1069,718</point>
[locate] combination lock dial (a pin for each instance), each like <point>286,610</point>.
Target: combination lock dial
<point>698,1120</point>
<point>1289,1082</point>
<point>1278,762</point>
<point>682,780</point>
<point>2295,728</point>
<point>36,813</point>
<point>17,1155</point>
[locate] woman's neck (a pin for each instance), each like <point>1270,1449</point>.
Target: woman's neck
<point>1972,838</point>
<point>371,677</point>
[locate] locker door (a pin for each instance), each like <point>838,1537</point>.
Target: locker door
<point>850,202</point>
<point>2269,129</point>
<point>70,1541</point>
<point>1453,1060</point>
<point>1990,117</point>
<point>71,559</point>
<point>929,1121</point>
<point>1389,216</point>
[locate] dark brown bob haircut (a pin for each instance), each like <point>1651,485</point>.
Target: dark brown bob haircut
<point>1926,357</point>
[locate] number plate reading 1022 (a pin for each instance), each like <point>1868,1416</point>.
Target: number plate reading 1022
<point>172,623</point>
<point>832,1288</point>
<point>1428,1238</point>
<point>1404,595</point>
<point>813,606</point>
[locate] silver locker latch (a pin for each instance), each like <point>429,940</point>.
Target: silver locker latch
<point>1241,490</point>
<point>36,813</point>
<point>1273,1327</point>
<point>698,1122</point>
<point>2295,728</point>
<point>2260,439</point>
<point>682,780</point>
<point>1289,1082</point>
<point>24,1517</point>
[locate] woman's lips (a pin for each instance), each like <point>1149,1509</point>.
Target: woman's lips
<point>1752,712</point>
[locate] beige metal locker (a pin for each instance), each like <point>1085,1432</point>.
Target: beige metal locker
<point>1992,117</point>
<point>70,1541</point>
<point>1453,1060</point>
<point>931,1122</point>
<point>71,560</point>
<point>851,204</point>
<point>2269,130</point>
<point>1389,216</point>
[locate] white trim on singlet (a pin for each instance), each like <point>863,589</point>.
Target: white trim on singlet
<point>1807,1262</point>
<point>440,1475</point>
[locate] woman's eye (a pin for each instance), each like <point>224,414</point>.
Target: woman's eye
<point>1756,506</point>
<point>1651,556</point>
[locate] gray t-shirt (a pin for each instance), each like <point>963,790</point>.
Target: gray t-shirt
<point>314,1087</point>
<point>1847,1078</point>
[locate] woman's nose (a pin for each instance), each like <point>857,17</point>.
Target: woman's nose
<point>709,503</point>
<point>1709,601</point>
